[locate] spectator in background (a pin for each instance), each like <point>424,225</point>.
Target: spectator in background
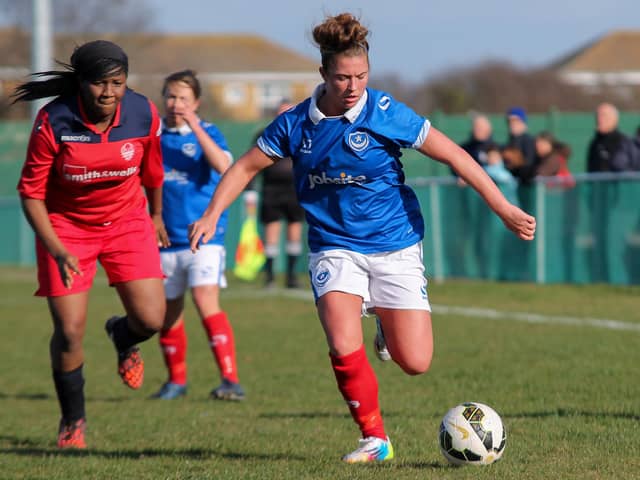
<point>195,155</point>
<point>611,150</point>
<point>519,152</point>
<point>496,169</point>
<point>550,159</point>
<point>280,203</point>
<point>479,139</point>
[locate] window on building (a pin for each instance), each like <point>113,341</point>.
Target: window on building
<point>235,94</point>
<point>271,94</point>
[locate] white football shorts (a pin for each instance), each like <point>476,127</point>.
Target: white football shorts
<point>389,279</point>
<point>184,269</point>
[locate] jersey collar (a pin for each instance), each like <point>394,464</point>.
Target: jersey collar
<point>316,115</point>
<point>83,117</point>
<point>183,129</point>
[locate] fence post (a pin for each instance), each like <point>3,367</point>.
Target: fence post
<point>436,231</point>
<point>540,233</point>
<point>25,246</point>
<point>552,120</point>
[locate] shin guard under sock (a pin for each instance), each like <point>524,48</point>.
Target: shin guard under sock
<point>220,335</point>
<point>359,387</point>
<point>173,343</point>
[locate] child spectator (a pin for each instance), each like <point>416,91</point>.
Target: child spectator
<point>499,173</point>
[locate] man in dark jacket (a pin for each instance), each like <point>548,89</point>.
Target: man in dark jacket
<point>611,150</point>
<point>479,140</point>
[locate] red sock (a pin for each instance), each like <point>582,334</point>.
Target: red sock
<point>358,384</point>
<point>220,336</point>
<point>174,349</point>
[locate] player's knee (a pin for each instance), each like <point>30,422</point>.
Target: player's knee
<point>340,347</point>
<point>69,338</point>
<point>150,321</point>
<point>206,299</point>
<point>153,325</point>
<point>415,365</point>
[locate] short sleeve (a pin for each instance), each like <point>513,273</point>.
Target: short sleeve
<point>41,153</point>
<point>399,123</point>
<point>274,141</point>
<point>217,136</point>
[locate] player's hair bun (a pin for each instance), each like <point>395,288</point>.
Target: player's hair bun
<point>342,33</point>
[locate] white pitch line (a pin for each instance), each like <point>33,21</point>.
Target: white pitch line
<point>537,318</point>
<point>490,313</point>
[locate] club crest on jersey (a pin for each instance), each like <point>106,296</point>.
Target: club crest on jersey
<point>189,149</point>
<point>358,141</point>
<point>127,150</point>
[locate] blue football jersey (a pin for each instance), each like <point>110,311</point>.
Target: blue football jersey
<point>348,174</point>
<point>189,182</point>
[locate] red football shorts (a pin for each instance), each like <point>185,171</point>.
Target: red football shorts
<point>127,250</point>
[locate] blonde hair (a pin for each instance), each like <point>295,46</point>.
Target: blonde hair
<point>341,34</point>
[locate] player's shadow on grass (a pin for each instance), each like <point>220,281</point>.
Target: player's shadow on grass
<point>26,447</point>
<point>570,412</point>
<point>24,396</point>
<point>46,396</point>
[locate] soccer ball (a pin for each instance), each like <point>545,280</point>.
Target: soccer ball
<point>472,434</point>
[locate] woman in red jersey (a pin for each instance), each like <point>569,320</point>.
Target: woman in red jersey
<point>90,151</point>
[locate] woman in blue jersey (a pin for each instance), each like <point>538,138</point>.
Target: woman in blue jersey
<point>195,155</point>
<point>365,227</point>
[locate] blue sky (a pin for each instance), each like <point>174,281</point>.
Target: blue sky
<point>416,38</point>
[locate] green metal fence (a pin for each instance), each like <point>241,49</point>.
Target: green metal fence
<point>589,233</point>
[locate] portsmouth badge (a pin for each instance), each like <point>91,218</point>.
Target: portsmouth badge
<point>358,141</point>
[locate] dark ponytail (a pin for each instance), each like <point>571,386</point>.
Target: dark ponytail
<point>89,62</point>
<point>59,83</point>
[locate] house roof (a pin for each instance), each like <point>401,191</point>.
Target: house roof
<point>615,52</point>
<point>154,53</point>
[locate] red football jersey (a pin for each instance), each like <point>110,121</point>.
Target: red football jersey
<point>89,176</point>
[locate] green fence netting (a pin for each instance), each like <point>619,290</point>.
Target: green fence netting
<point>586,233</point>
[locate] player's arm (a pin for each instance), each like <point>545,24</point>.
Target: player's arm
<point>439,147</point>
<point>32,186</point>
<point>152,177</point>
<point>154,199</point>
<point>37,215</point>
<point>231,185</point>
<point>216,157</point>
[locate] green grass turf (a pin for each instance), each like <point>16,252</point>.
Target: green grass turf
<point>568,394</point>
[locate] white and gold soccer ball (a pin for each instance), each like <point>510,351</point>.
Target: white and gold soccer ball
<point>472,434</point>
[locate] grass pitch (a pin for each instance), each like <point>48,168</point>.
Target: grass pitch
<point>559,363</point>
